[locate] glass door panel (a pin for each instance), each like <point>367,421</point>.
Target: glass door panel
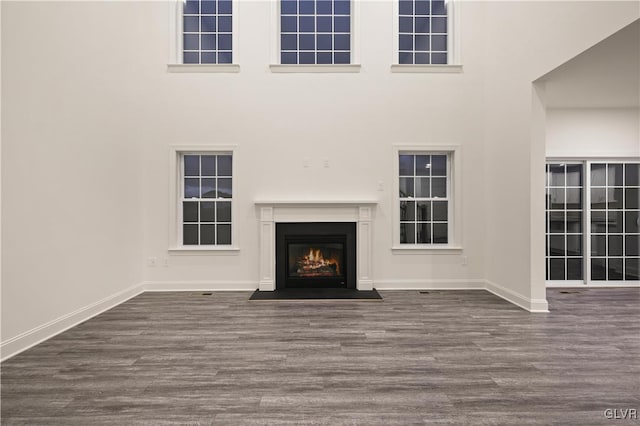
<point>614,193</point>
<point>564,217</point>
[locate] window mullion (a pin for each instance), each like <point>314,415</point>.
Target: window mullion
<point>565,256</point>
<point>587,225</point>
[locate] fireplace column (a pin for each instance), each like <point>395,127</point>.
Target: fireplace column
<point>363,249</point>
<point>267,250</point>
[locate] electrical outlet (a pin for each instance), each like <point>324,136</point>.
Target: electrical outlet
<point>380,186</point>
<point>306,162</point>
<point>152,262</point>
<point>464,260</point>
<point>325,163</point>
<point>165,262</point>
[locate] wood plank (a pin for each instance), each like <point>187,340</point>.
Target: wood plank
<point>451,357</point>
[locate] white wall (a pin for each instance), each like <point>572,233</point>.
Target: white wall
<point>593,132</point>
<point>71,178</point>
<point>518,53</point>
<point>89,113</point>
<point>353,120</point>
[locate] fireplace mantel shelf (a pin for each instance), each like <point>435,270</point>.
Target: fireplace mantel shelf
<point>315,202</point>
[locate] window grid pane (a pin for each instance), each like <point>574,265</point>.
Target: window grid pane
<point>564,217</point>
<point>614,221</point>
<point>315,32</point>
<point>424,198</point>
<point>422,32</point>
<point>206,199</point>
<point>207,29</point>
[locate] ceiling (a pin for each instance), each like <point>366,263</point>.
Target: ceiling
<point>606,75</point>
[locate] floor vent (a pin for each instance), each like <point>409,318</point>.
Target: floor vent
<point>570,292</point>
<point>207,294</point>
<point>424,292</point>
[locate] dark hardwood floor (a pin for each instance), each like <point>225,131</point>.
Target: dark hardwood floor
<point>446,357</point>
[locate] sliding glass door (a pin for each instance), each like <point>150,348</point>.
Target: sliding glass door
<point>605,196</point>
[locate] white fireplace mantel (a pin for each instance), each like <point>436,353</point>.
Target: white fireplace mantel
<point>271,212</point>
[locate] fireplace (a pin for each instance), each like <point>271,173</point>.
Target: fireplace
<point>313,254</point>
<point>357,214</point>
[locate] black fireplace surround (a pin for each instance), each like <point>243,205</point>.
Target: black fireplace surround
<point>316,255</point>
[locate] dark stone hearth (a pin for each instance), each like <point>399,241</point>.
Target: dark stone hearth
<point>316,294</point>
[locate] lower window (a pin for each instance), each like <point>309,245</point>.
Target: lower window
<point>206,199</point>
<point>424,196</point>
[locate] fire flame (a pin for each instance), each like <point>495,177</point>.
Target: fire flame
<point>315,256</point>
<point>315,259</point>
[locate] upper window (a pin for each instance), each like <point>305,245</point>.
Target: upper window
<point>206,199</point>
<point>423,32</point>
<point>207,32</point>
<point>424,197</point>
<point>315,32</point>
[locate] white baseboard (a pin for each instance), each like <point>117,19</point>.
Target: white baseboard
<point>28,339</point>
<point>470,284</point>
<point>199,285</point>
<point>526,303</point>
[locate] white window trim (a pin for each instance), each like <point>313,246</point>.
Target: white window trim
<point>586,223</point>
<point>315,68</point>
<point>277,67</point>
<point>203,68</point>
<point>421,68</point>
<point>454,64</point>
<point>175,64</point>
<point>454,186</point>
<point>175,210</point>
